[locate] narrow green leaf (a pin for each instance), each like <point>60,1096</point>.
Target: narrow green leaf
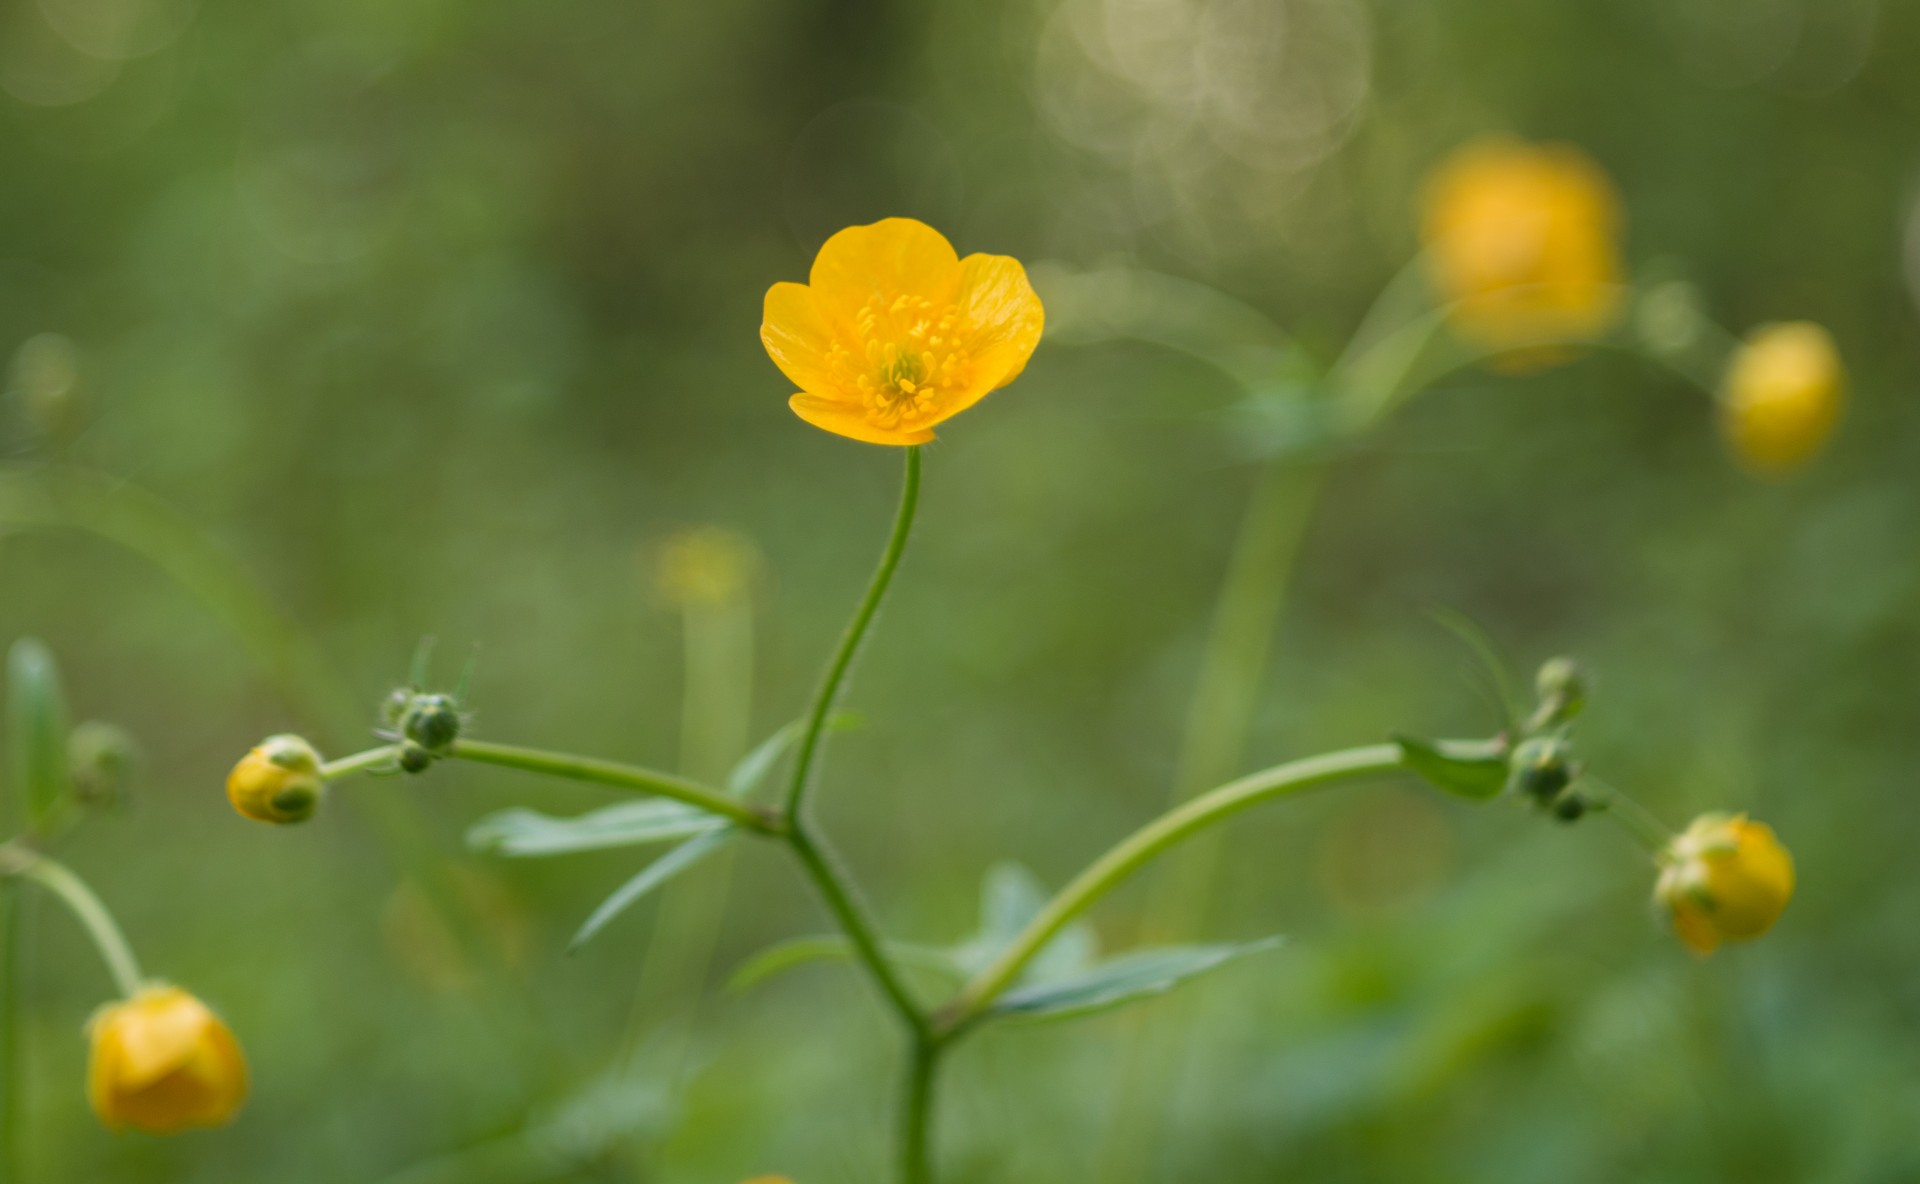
<point>1010,898</point>
<point>1476,770</point>
<point>650,877</point>
<point>522,832</point>
<point>37,727</point>
<point>1135,975</point>
<point>753,769</point>
<point>800,950</point>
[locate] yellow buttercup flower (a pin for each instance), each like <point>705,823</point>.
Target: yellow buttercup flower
<point>1725,879</point>
<point>278,781</point>
<point>894,333</point>
<point>162,1062</point>
<point>1523,241</point>
<point>1782,396</point>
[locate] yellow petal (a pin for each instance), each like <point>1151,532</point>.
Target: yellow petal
<point>891,257</point>
<point>999,303</point>
<point>798,337</point>
<point>849,421</point>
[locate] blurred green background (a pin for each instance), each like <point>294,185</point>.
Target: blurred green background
<point>441,318</point>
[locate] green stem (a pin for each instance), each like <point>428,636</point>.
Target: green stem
<point>836,888</point>
<point>1140,848</point>
<point>13,1075</point>
<point>808,750</point>
<point>916,1113</point>
<point>359,762</point>
<point>633,777</point>
<point>87,909</point>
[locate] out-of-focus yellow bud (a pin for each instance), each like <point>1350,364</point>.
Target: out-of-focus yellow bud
<point>1523,241</point>
<point>768,1180</point>
<point>279,781</point>
<point>163,1062</point>
<point>1782,396</point>
<point>1725,879</point>
<point>705,566</point>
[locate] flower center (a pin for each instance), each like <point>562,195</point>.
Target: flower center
<point>910,358</point>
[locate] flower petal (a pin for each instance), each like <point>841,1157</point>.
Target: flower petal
<point>798,337</point>
<point>892,257</point>
<point>849,421</point>
<point>1006,315</point>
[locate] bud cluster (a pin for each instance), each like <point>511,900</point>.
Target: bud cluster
<point>1543,769</point>
<point>424,724</point>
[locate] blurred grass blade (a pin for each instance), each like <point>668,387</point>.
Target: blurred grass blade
<point>522,832</point>
<point>753,769</point>
<point>1468,770</point>
<point>650,877</point>
<point>1121,980</point>
<point>1470,634</point>
<point>799,951</point>
<point>37,727</point>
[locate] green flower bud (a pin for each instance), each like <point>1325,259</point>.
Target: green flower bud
<point>100,760</point>
<point>1562,687</point>
<point>1542,767</point>
<point>432,722</point>
<point>413,758</point>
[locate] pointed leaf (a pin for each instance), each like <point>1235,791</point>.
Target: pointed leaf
<point>1476,770</point>
<point>801,950</point>
<point>37,727</point>
<point>1121,980</point>
<point>521,832</point>
<point>1010,897</point>
<point>754,767</point>
<point>650,877</point>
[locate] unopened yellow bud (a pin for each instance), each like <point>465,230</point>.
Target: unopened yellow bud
<point>1725,879</point>
<point>279,781</point>
<point>163,1062</point>
<point>707,566</point>
<point>768,1180</point>
<point>1523,241</point>
<point>1782,396</point>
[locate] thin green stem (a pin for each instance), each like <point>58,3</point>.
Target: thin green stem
<point>916,1112</point>
<point>1635,819</point>
<point>836,888</point>
<point>13,1075</point>
<point>93,916</point>
<point>359,762</point>
<point>1140,848</point>
<point>808,750</point>
<point>601,772</point>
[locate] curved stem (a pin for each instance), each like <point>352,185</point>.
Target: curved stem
<point>87,909</point>
<point>1139,848</point>
<point>808,750</point>
<point>632,777</point>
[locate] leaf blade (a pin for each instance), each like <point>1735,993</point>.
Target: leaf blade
<point>649,878</point>
<point>524,833</point>
<point>1136,975</point>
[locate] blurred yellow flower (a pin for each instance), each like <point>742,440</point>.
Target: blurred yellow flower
<point>162,1062</point>
<point>894,333</point>
<point>1523,241</point>
<point>278,781</point>
<point>1782,396</point>
<point>1724,879</point>
<point>706,565</point>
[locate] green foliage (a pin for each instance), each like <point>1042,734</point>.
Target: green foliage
<point>37,728</point>
<point>521,832</point>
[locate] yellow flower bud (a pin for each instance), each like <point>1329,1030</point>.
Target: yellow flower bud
<point>1522,240</point>
<point>279,781</point>
<point>162,1062</point>
<point>1782,396</point>
<point>768,1180</point>
<point>707,566</point>
<point>1724,879</point>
